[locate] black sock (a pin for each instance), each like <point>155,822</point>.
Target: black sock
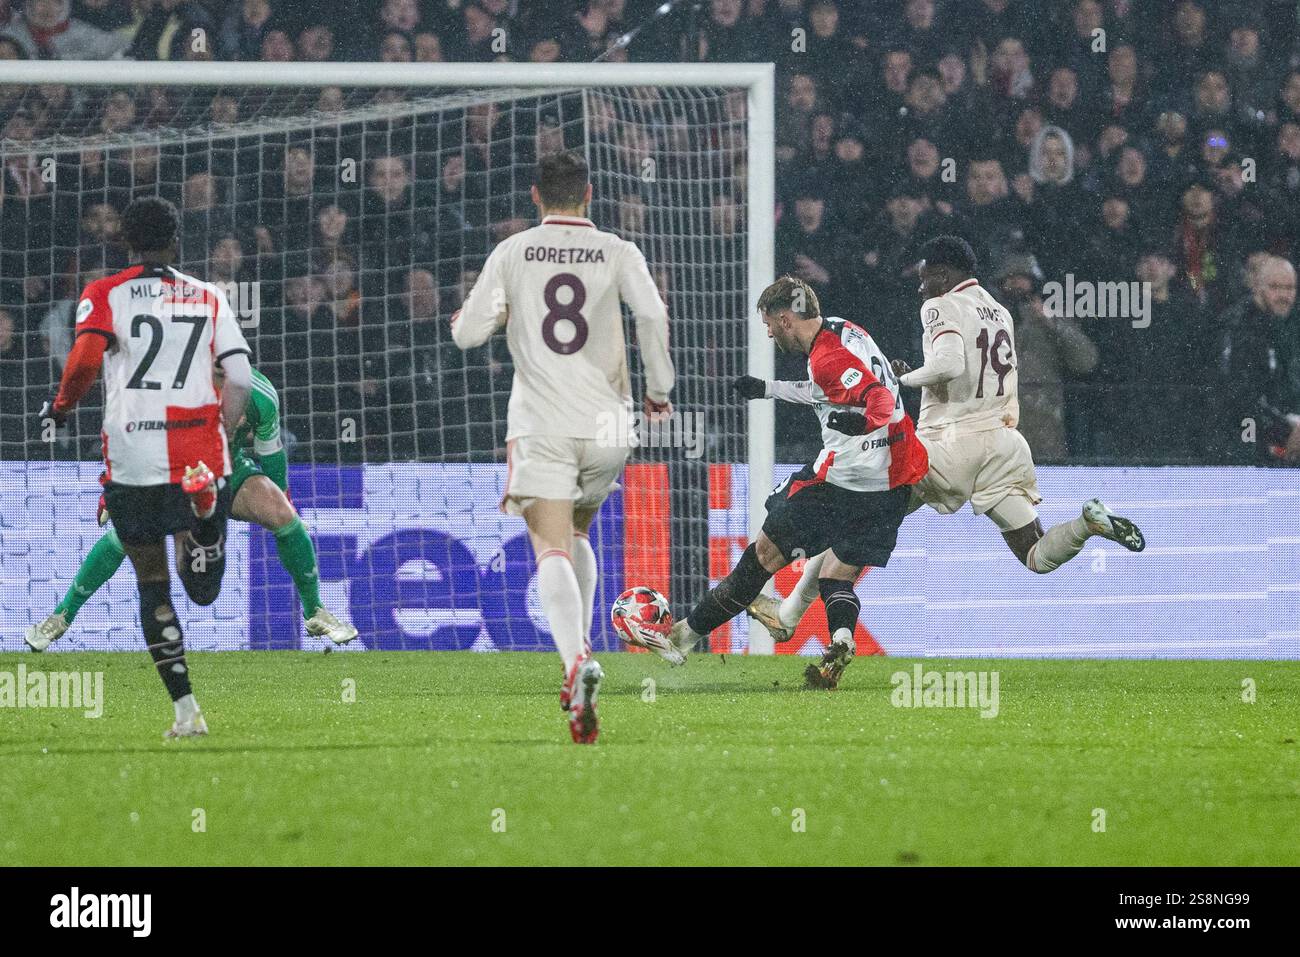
<point>842,604</point>
<point>208,530</point>
<point>731,596</point>
<point>201,567</point>
<point>162,633</point>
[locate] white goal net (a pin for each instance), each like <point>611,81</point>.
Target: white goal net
<point>347,223</point>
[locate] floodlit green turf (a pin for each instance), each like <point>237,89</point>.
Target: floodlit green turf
<point>439,747</point>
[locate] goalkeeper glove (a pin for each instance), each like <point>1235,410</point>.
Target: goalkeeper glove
<point>850,423</point>
<point>749,387</point>
<point>49,412</point>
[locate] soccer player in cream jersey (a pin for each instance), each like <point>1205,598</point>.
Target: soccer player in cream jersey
<point>969,412</point>
<point>556,289</point>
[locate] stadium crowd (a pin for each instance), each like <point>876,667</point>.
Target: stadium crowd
<point>1073,142</point>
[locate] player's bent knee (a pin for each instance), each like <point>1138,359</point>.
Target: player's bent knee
<point>200,569</point>
<point>1021,541</point>
<point>280,515</point>
<point>769,556</point>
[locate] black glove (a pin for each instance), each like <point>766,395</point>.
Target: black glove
<point>47,412</point>
<point>749,387</point>
<point>850,423</point>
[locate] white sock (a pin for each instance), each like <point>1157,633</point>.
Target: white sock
<point>186,708</point>
<point>804,594</point>
<point>557,585</point>
<point>584,567</point>
<point>684,636</point>
<point>1059,544</point>
<point>843,636</point>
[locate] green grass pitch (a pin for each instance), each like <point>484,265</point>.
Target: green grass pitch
<point>465,759</point>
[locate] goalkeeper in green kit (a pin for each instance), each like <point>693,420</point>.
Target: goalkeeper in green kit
<point>258,485</point>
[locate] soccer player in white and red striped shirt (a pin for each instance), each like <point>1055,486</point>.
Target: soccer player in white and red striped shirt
<point>157,334</point>
<point>850,500</point>
<point>969,410</point>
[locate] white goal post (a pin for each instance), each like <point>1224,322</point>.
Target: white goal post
<point>756,80</point>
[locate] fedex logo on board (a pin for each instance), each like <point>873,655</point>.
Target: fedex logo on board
<point>420,558</point>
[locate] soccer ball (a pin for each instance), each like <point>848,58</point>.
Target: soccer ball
<point>641,617</point>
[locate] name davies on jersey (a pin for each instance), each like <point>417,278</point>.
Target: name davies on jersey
<point>567,256</point>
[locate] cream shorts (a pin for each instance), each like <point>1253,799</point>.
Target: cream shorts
<point>548,467</point>
<point>982,468</point>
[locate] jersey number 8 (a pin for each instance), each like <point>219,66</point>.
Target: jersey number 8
<point>572,310</point>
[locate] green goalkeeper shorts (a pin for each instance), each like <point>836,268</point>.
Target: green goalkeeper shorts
<point>243,468</point>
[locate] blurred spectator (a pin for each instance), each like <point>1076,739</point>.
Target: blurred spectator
<point>794,120</point>
<point>1258,372</point>
<point>1055,199</point>
<point>1051,351</point>
<point>1207,248</point>
<point>992,217</point>
<point>316,43</point>
<point>47,30</point>
<point>243,29</point>
<point>167,30</point>
<point>728,35</point>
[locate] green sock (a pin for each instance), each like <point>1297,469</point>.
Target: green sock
<point>298,557</point>
<point>98,567</point>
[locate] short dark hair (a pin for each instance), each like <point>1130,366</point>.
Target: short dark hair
<point>790,292</point>
<point>562,178</point>
<point>951,251</point>
<point>150,225</point>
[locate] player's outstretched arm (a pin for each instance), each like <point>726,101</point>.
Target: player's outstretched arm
<point>94,334</point>
<point>268,445</point>
<point>752,387</point>
<point>636,287</point>
<point>485,309</point>
<point>232,352</point>
<point>947,361</point>
<point>947,349</point>
<point>236,389</point>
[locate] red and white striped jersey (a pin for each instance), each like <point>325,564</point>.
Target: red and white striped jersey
<point>162,410</point>
<point>845,366</point>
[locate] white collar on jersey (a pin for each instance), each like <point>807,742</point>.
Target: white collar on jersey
<point>964,284</point>
<point>567,221</point>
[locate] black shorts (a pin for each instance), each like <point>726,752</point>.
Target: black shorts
<point>860,527</point>
<point>147,514</point>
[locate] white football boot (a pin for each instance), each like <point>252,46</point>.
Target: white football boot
<point>582,686</point>
<point>766,610</point>
<point>39,636</point>
<point>1102,521</point>
<point>323,624</point>
<point>191,726</point>
<point>189,721</point>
